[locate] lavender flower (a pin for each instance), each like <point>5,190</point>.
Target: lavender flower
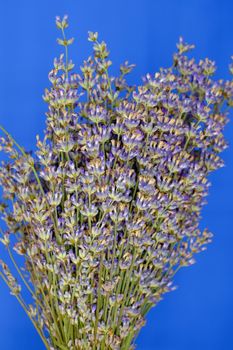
<point>107,210</point>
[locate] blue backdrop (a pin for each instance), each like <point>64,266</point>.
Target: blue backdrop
<point>199,315</point>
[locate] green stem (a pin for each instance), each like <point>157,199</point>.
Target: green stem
<point>20,273</point>
<point>127,278</point>
<point>98,298</point>
<point>22,303</point>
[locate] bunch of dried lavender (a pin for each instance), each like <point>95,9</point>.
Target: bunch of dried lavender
<point>107,210</point>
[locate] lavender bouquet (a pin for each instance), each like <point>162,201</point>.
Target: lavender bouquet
<point>107,209</point>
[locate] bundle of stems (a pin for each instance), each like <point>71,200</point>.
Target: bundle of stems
<point>107,210</point>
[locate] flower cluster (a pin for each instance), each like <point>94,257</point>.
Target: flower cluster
<point>107,210</point>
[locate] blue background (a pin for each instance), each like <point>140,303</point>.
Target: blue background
<point>199,315</point>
